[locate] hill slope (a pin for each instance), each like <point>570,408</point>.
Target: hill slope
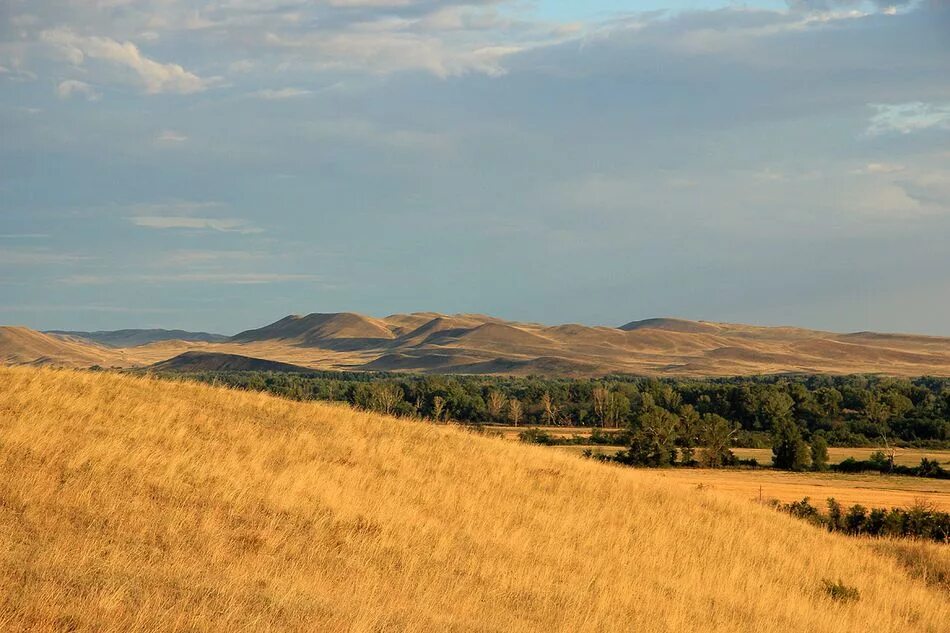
<point>128,504</point>
<point>318,329</point>
<point>23,346</point>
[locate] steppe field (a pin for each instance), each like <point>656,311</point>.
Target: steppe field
<point>872,490</point>
<point>131,504</point>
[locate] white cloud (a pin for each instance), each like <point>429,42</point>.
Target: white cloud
<point>156,77</point>
<point>931,190</point>
<point>907,118</point>
<point>167,137</point>
<point>223,225</point>
<point>34,257</point>
<point>880,169</point>
<point>281,93</point>
<point>73,87</point>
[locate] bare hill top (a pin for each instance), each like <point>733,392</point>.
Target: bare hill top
<point>315,329</point>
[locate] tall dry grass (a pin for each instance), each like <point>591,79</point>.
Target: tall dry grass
<point>128,504</point>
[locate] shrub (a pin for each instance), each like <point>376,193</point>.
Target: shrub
<point>856,519</point>
<point>921,521</point>
<point>840,592</point>
<point>536,436</point>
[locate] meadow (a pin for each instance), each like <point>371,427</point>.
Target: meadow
<point>134,504</point>
<point>867,489</point>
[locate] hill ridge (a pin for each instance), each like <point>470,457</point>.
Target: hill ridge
<point>473,343</point>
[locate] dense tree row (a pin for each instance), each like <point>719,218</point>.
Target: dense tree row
<point>919,521</point>
<point>753,412</point>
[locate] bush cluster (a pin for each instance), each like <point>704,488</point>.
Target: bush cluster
<point>920,521</point>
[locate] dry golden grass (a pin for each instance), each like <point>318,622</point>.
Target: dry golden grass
<point>870,489</point>
<point>902,456</point>
<point>128,504</point>
<point>925,560</point>
<point>867,489</point>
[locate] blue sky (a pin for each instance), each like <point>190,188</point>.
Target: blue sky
<point>219,164</point>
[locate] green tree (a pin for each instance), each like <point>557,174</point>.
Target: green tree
<point>789,451</point>
<point>718,434</point>
<point>689,432</point>
<point>819,453</point>
<point>775,406</point>
<point>653,443</point>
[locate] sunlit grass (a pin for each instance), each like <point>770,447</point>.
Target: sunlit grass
<point>130,504</point>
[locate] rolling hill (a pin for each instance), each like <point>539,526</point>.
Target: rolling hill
<point>23,346</point>
<point>471,343</point>
<point>132,504</point>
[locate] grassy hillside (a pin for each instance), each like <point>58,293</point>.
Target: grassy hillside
<point>23,346</point>
<point>128,504</point>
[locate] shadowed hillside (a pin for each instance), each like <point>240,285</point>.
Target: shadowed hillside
<point>129,504</point>
<point>215,361</point>
<point>134,338</point>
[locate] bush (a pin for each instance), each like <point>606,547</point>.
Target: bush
<point>921,521</point>
<point>840,592</point>
<point>878,462</point>
<point>536,436</point>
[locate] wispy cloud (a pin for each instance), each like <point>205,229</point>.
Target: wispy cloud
<point>34,257</point>
<point>192,258</point>
<point>281,93</point>
<point>218,278</point>
<point>170,137</point>
<point>907,118</point>
<point>880,169</point>
<point>73,87</point>
<point>156,77</point>
<point>223,225</point>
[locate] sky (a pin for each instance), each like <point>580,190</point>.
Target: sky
<point>217,164</point>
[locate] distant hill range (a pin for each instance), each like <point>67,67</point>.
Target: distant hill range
<point>134,338</point>
<point>429,342</point>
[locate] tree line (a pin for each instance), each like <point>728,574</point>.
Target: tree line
<point>844,410</point>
